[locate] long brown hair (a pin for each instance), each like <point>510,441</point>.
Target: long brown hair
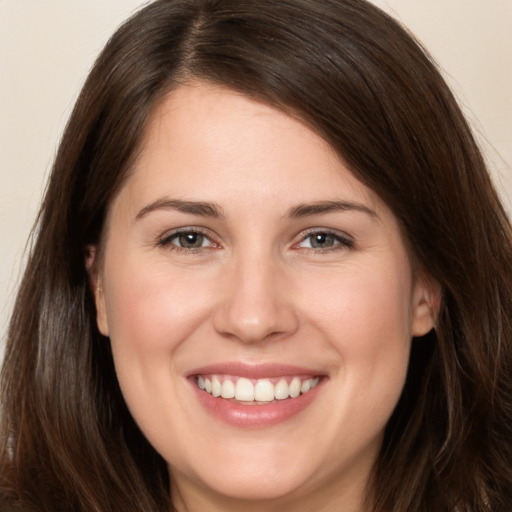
<point>68,442</point>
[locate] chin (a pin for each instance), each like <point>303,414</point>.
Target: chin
<point>255,485</point>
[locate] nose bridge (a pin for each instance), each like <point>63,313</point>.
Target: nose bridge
<point>255,303</point>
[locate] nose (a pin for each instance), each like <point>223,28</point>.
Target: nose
<point>256,301</point>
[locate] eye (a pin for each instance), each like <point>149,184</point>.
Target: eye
<point>189,239</point>
<point>324,240</point>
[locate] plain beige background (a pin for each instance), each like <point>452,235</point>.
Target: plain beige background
<point>47,47</point>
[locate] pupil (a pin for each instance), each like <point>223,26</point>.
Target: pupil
<point>322,240</point>
<point>191,240</point>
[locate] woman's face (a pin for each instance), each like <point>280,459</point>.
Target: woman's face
<point>241,256</point>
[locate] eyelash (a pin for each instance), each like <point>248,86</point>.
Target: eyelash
<point>340,241</point>
<point>167,241</point>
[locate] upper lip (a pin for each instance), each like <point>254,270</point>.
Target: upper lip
<point>253,371</point>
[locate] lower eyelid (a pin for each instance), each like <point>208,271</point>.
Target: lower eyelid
<point>340,240</point>
<point>168,238</point>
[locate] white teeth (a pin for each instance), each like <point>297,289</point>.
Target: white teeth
<point>282,390</point>
<point>295,387</point>
<point>263,390</point>
<point>216,386</point>
<point>244,390</point>
<point>305,387</point>
<point>228,389</point>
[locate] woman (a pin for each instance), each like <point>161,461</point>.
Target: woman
<point>270,273</point>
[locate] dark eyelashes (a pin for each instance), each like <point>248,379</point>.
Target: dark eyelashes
<point>189,236</point>
<point>343,241</point>
<point>191,240</point>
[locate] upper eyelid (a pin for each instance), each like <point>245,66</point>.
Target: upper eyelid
<point>311,231</point>
<point>343,242</point>
<point>168,235</point>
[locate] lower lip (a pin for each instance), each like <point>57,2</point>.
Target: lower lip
<point>256,415</point>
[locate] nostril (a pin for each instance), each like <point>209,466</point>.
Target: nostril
<point>266,326</point>
<point>254,303</point>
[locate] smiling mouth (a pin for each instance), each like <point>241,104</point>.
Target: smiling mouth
<point>256,391</point>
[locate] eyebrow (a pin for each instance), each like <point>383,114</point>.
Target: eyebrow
<point>201,208</point>
<point>213,210</point>
<point>323,207</point>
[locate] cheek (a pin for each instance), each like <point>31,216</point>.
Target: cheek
<point>362,301</point>
<point>152,310</point>
<point>150,314</point>
<point>365,314</point>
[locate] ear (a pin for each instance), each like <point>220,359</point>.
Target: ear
<point>95,282</point>
<point>426,303</point>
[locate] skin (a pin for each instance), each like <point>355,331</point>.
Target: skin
<point>256,290</point>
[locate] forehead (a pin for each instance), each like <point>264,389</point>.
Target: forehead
<point>207,136</point>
